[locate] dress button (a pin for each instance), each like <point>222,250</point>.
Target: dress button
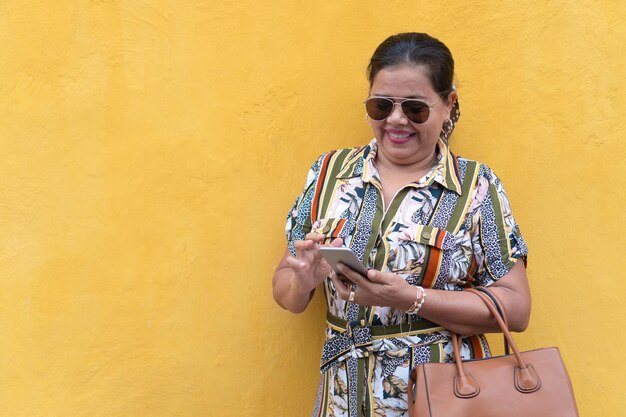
<point>426,234</point>
<point>326,229</point>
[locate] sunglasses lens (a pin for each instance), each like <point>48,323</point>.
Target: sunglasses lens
<point>415,110</point>
<point>378,108</point>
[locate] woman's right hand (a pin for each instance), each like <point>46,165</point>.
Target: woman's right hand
<point>308,266</point>
<point>296,277</point>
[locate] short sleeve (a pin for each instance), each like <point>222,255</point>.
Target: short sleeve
<point>497,239</point>
<point>299,216</point>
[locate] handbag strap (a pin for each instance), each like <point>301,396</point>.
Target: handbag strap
<point>501,312</point>
<point>465,386</point>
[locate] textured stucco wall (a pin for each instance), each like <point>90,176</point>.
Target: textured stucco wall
<point>151,149</point>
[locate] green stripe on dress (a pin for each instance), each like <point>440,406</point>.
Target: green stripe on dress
<point>347,171</point>
<point>450,170</point>
<point>458,214</point>
<point>324,405</point>
<point>335,166</point>
<point>393,208</point>
<point>389,215</point>
<point>372,238</point>
<point>436,353</point>
<point>422,274</point>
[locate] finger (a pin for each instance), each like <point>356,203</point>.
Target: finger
<point>344,280</point>
<point>373,275</point>
<point>316,237</point>
<point>296,263</point>
<point>324,264</point>
<point>304,244</point>
<point>342,291</point>
<point>380,277</point>
<point>337,242</point>
<point>351,274</point>
<point>304,247</point>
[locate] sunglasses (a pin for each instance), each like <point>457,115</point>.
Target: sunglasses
<point>379,108</point>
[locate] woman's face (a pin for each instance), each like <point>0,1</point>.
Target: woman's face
<point>400,141</point>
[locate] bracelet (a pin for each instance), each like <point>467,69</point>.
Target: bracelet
<point>420,297</point>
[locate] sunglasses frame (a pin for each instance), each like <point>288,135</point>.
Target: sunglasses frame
<point>394,102</point>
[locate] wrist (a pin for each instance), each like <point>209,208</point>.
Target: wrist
<point>418,301</point>
<point>406,297</point>
<point>297,288</point>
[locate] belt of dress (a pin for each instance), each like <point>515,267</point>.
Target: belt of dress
<point>356,339</point>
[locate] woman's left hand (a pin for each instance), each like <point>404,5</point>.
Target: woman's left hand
<point>377,289</point>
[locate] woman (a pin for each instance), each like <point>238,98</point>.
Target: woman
<point>426,224</point>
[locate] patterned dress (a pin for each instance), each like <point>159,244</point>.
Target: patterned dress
<point>451,229</point>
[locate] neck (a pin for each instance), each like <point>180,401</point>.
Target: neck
<point>413,169</point>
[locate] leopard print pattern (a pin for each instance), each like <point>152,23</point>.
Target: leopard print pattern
<point>358,168</point>
<point>300,210</point>
<point>353,367</point>
<point>419,355</point>
<point>448,201</point>
<point>340,345</point>
<point>335,348</point>
<point>360,239</point>
<point>489,227</point>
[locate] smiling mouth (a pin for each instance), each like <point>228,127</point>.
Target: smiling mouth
<point>398,137</point>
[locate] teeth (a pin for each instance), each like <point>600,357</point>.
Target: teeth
<point>395,136</point>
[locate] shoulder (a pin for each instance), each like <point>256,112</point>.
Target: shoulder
<point>339,158</point>
<point>481,170</point>
<point>482,185</point>
<point>347,152</point>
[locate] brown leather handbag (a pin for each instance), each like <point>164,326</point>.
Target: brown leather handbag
<point>525,384</point>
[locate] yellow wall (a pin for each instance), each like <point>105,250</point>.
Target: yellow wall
<point>151,149</point>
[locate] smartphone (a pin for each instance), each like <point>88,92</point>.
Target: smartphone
<point>334,255</point>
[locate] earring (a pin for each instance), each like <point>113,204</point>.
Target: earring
<point>446,129</point>
<point>367,119</point>
<point>451,121</point>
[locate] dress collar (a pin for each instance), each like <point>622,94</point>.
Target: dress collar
<point>445,171</point>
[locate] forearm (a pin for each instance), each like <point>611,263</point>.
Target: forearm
<point>459,311</point>
<point>465,313</point>
<point>296,277</point>
<point>286,294</point>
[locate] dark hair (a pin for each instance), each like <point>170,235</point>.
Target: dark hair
<point>416,49</point>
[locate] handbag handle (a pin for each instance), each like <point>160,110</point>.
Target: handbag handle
<point>501,312</point>
<point>525,378</point>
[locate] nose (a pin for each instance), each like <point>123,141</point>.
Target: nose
<point>397,116</point>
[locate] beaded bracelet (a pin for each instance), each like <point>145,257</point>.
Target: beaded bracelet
<point>420,297</point>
